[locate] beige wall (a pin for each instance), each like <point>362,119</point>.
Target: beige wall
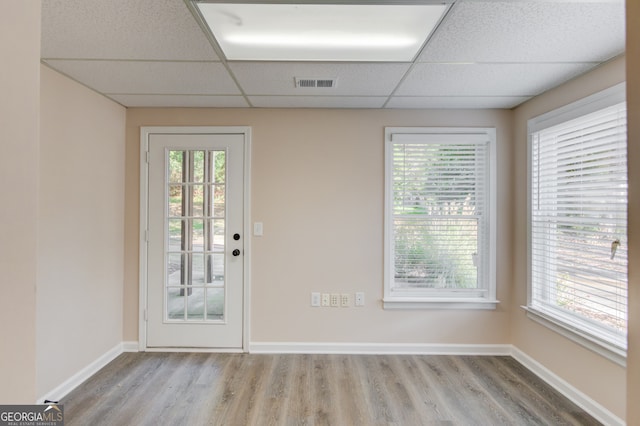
<point>19,132</point>
<point>81,229</point>
<point>317,180</point>
<point>597,377</point>
<point>317,185</point>
<point>633,105</point>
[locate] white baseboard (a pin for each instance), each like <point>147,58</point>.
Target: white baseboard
<point>582,400</point>
<point>577,397</point>
<point>71,383</point>
<point>377,348</point>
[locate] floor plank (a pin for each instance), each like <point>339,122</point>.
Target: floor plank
<point>249,389</point>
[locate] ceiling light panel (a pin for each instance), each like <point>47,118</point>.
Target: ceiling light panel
<point>321,32</point>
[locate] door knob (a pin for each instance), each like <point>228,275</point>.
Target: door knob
<point>236,252</point>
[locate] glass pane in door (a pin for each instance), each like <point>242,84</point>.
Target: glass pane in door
<point>195,236</point>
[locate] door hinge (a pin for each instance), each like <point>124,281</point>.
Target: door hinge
<point>146,157</point>
<point>146,235</point>
<point>145,314</point>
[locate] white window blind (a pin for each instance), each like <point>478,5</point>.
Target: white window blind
<point>439,216</point>
<point>578,223</point>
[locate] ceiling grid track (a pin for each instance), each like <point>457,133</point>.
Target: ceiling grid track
<point>415,60</point>
<point>473,54</point>
<point>217,49</point>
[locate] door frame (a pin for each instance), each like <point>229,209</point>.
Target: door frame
<point>145,132</point>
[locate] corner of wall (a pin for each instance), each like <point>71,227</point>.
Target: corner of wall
<point>80,219</point>
<point>595,376</point>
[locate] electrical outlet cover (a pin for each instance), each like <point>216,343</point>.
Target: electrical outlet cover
<point>344,300</point>
<point>335,300</point>
<point>326,300</point>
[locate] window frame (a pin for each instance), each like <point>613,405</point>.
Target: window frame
<point>560,323</point>
<point>484,298</point>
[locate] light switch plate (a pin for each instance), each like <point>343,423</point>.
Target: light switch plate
<point>257,229</point>
<point>315,299</point>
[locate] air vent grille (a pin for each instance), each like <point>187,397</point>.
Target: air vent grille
<point>324,83</point>
<point>321,83</point>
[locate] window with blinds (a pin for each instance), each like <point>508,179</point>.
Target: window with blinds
<point>578,218</point>
<point>439,229</point>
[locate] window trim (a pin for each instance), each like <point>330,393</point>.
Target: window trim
<point>488,300</point>
<point>593,103</point>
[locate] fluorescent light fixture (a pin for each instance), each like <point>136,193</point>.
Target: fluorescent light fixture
<point>320,32</point>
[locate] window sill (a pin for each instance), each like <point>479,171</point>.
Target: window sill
<point>438,303</point>
<point>607,350</point>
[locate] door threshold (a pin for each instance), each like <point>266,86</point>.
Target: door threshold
<point>211,350</point>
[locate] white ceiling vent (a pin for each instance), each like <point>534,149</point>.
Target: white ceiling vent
<point>321,83</point>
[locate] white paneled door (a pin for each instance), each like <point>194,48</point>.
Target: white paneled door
<point>195,247</point>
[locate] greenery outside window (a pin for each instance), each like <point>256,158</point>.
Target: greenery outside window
<point>440,218</point>
<point>578,221</point>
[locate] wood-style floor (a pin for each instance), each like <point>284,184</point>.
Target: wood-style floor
<point>249,389</point>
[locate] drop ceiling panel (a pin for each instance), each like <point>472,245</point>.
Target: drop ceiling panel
<point>122,29</point>
<point>135,77</point>
<point>317,101</point>
<point>354,79</point>
<point>456,101</point>
<point>485,54</point>
<point>180,101</point>
<point>487,79</point>
<point>529,31</point>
